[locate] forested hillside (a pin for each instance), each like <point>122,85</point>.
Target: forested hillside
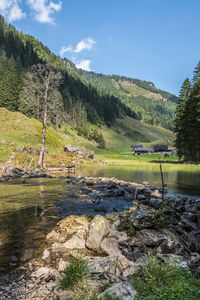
<point>153,106</point>
<point>88,98</point>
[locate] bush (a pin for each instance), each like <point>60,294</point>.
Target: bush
<point>97,137</point>
<point>158,281</point>
<point>75,273</point>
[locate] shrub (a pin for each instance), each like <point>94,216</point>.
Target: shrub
<point>75,273</point>
<point>158,281</point>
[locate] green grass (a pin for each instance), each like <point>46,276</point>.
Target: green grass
<point>19,130</point>
<point>128,131</point>
<point>163,282</point>
<point>75,273</point>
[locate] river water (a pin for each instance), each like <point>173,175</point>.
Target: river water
<point>30,208</point>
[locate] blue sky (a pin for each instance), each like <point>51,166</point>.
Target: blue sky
<point>156,40</point>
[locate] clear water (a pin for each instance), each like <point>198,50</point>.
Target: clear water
<point>30,208</point>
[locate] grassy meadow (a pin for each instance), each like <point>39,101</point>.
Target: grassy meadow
<point>19,130</point>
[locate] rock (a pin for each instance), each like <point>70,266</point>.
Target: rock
<point>174,260</point>
<point>79,151</point>
<point>155,202</point>
<point>75,243</point>
<point>99,228</point>
<point>143,217</point>
<point>41,272</point>
<point>122,262</point>
<point>110,246</point>
<point>123,290</point>
<point>150,237</point>
<point>69,226</point>
<point>130,196</point>
<point>141,197</point>
<point>62,265</point>
<point>102,265</point>
<point>27,255</point>
<point>156,194</point>
<point>46,256</point>
<point>62,295</point>
<point>134,255</point>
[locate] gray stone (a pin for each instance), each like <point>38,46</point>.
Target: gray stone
<point>150,237</point>
<point>75,243</point>
<point>102,264</point>
<point>143,217</point>
<point>174,260</point>
<point>110,247</point>
<point>79,151</point>
<point>124,290</point>
<point>99,228</point>
<point>46,256</point>
<point>156,194</point>
<point>62,265</point>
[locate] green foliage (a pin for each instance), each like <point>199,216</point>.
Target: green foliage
<point>98,137</point>
<point>142,99</point>
<point>76,272</point>
<point>187,121</point>
<point>159,281</point>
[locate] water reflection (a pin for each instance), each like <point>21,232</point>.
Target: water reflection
<point>30,208</point>
<point>177,181</point>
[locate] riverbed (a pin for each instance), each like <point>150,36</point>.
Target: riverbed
<point>30,208</point>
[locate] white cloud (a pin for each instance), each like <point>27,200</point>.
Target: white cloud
<point>44,10</point>
<point>15,13</point>
<point>84,44</point>
<point>64,49</point>
<point>11,10</point>
<point>84,64</point>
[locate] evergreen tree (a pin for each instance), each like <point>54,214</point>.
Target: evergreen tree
<point>196,73</point>
<point>180,120</point>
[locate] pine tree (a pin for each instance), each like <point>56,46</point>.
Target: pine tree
<point>181,116</point>
<point>196,73</point>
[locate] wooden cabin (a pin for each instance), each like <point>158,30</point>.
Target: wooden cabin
<point>140,151</point>
<point>137,146</point>
<point>160,148</point>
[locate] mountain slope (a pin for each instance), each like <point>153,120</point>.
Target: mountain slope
<point>20,130</point>
<point>91,100</point>
<point>146,102</point>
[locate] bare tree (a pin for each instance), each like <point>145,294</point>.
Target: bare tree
<point>39,95</point>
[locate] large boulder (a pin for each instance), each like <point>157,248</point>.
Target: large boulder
<point>98,230</point>
<point>143,217</point>
<point>79,151</point>
<point>69,226</point>
<point>122,290</point>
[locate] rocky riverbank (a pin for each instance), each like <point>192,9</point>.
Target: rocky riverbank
<point>11,172</point>
<point>116,244</point>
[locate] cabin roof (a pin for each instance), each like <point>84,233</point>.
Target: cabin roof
<point>143,149</point>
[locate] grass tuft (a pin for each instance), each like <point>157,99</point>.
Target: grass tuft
<point>75,273</point>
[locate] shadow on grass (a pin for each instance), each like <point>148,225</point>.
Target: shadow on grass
<point>175,162</point>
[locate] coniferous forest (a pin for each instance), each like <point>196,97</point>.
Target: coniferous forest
<point>187,121</point>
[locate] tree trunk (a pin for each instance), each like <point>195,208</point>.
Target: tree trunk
<point>44,123</point>
<point>41,156</point>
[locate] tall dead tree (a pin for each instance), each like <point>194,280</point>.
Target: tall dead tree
<point>39,96</point>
